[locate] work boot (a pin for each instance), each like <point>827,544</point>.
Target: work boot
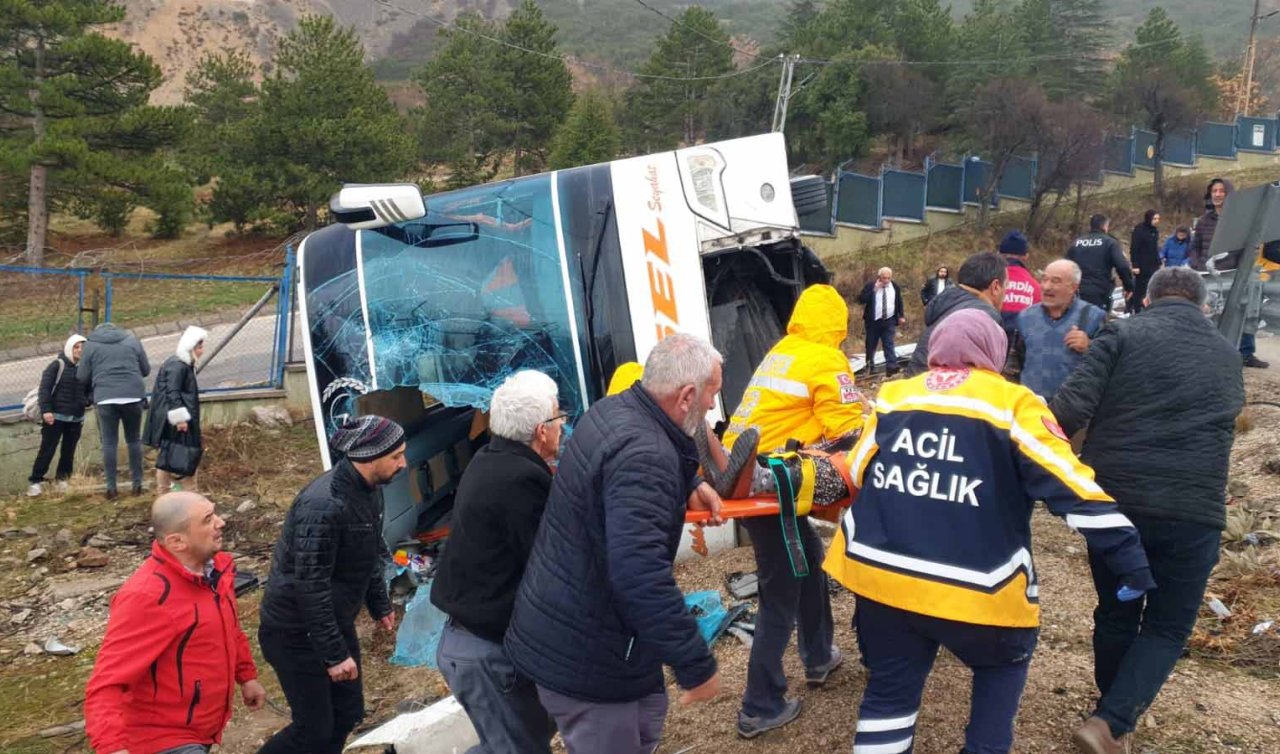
<point>1094,737</point>
<point>1255,363</point>
<point>112,494</point>
<point>750,727</point>
<point>818,676</point>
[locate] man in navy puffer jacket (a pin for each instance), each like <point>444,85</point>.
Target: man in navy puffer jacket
<point>598,612</point>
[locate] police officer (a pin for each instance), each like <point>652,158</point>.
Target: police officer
<point>803,390</point>
<point>937,546</point>
<point>1100,257</point>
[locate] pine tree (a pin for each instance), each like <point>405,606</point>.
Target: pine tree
<point>1068,41</point>
<point>79,130</point>
<point>663,112</point>
<point>539,88</point>
<point>226,108</point>
<point>588,135</point>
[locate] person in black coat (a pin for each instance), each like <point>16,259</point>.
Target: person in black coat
<point>175,404</point>
<point>1160,443</point>
<point>1144,256</point>
<point>940,281</point>
<point>1101,259</point>
<point>882,315</point>
<point>599,612</point>
<point>496,513</point>
<point>62,403</point>
<point>327,564</point>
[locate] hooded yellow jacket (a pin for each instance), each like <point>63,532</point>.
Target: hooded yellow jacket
<point>803,389</point>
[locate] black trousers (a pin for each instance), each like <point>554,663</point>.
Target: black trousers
<point>51,435</point>
<point>324,712</point>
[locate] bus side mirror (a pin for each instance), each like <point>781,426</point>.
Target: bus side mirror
<point>367,206</point>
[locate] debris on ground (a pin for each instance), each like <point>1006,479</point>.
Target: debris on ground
<point>92,557</point>
<point>54,646</point>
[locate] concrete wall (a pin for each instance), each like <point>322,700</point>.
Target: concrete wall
<point>19,440</point>
<point>851,240</point>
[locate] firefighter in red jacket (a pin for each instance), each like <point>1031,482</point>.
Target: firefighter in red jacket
<point>165,678</point>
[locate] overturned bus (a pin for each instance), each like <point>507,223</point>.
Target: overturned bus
<point>417,309</point>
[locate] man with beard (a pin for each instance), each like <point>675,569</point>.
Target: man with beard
<point>598,613</point>
<point>328,563</point>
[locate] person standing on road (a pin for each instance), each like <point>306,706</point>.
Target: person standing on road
<point>496,513</point>
<point>1144,255</point>
<point>882,315</point>
<point>1100,259</point>
<point>937,546</point>
<point>112,368</point>
<point>165,678</point>
<point>327,564</point>
<point>175,404</point>
<point>1159,395</point>
<point>62,403</point>
<point>598,613</point>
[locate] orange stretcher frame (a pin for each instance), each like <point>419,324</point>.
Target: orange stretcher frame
<point>763,506</point>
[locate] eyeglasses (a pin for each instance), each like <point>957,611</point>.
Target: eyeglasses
<point>557,418</point>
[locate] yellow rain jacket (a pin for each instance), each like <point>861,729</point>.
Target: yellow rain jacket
<point>803,389</point>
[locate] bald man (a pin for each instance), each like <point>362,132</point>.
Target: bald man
<point>1055,332</point>
<point>882,314</point>
<point>165,678</point>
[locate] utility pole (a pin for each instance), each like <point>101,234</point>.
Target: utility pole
<point>784,91</point>
<point>1249,54</point>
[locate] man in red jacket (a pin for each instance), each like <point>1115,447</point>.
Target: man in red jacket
<point>165,678</point>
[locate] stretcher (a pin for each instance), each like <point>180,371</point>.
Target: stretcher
<point>763,506</point>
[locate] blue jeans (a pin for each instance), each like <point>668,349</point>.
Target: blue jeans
<point>1248,345</point>
<point>898,650</point>
<point>1136,644</point>
<point>787,605</point>
<point>112,416</point>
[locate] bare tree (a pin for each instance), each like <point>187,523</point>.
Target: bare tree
<point>1164,105</point>
<point>1001,123</point>
<point>1069,149</point>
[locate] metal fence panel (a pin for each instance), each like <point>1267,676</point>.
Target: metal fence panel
<point>976,174</point>
<point>1256,134</point>
<point>1217,140</point>
<point>1144,149</point>
<point>858,200</point>
<point>39,309</point>
<point>1119,157</point>
<point>821,220</point>
<point>945,187</point>
<point>1019,179</point>
<point>1180,149</point>
<point>903,195</point>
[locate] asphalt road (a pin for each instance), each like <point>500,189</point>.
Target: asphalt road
<point>246,360</point>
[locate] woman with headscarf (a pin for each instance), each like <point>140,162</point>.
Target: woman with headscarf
<point>62,400</point>
<point>940,281</point>
<point>175,405</point>
<point>1144,256</point>
<point>937,545</point>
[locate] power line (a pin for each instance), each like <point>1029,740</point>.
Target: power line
<point>989,61</point>
<point>701,33</point>
<point>566,59</point>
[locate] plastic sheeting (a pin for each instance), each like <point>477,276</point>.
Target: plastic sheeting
<point>418,636</point>
<point>903,195</point>
<point>708,610</point>
<point>858,200</point>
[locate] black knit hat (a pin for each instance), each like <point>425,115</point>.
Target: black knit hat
<point>367,438</point>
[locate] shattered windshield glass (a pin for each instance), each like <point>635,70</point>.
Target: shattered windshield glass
<point>471,293</point>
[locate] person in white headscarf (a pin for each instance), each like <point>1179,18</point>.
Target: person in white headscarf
<point>175,404</point>
<point>62,402</point>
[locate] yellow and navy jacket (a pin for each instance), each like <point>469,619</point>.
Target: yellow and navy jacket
<point>949,467</point>
<point>803,389</point>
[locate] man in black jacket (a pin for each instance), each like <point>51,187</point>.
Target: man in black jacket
<point>328,563</point>
<point>598,613</point>
<point>1160,444</point>
<point>62,403</point>
<point>1100,258</point>
<point>982,278</point>
<point>496,514</point>
<point>882,315</point>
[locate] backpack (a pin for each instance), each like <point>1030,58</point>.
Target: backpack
<point>31,401</point>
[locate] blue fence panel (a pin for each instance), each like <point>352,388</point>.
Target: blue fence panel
<point>976,173</point>
<point>858,200</point>
<point>820,220</point>
<point>1217,140</point>
<point>1256,134</point>
<point>1180,149</point>
<point>1119,158</point>
<point>1144,149</point>
<point>945,187</point>
<point>1019,179</point>
<point>903,195</point>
